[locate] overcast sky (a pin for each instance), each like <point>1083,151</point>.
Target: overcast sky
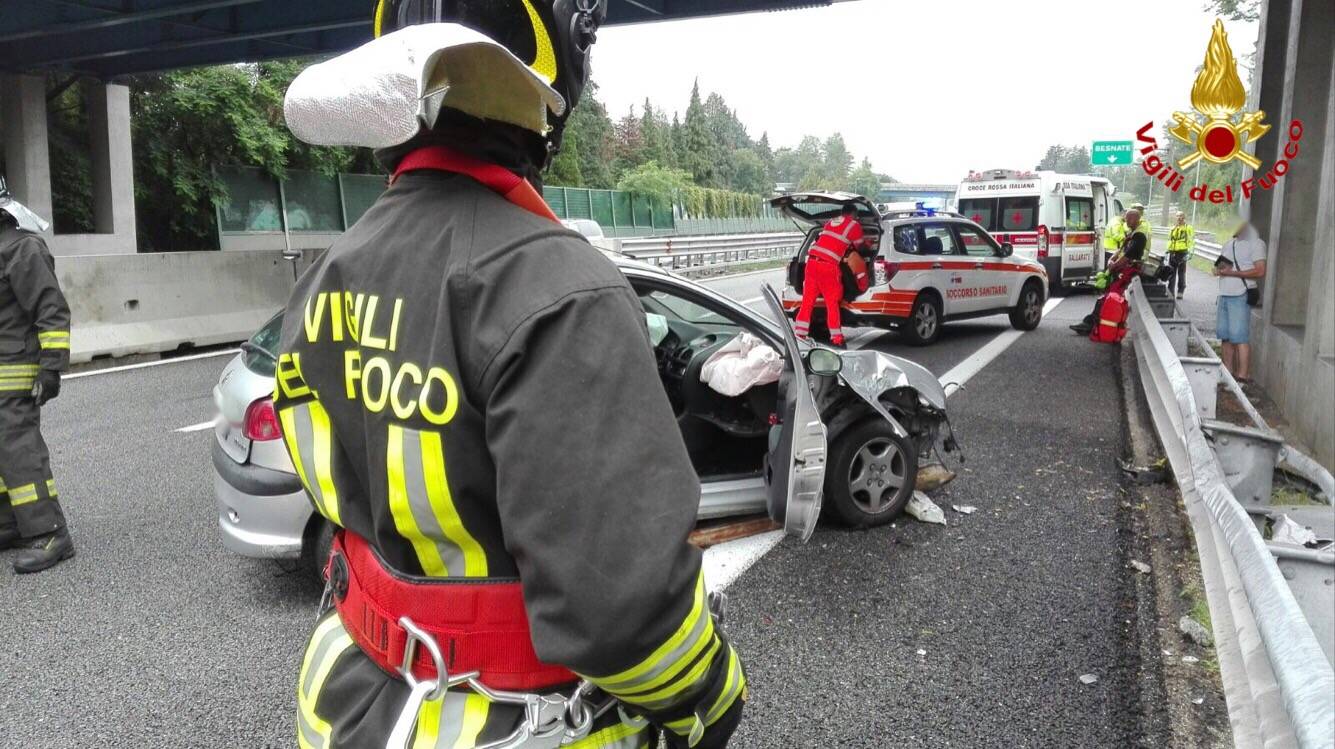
<point>938,88</point>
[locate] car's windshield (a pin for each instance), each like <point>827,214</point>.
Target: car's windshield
<point>678,308</point>
<point>260,353</point>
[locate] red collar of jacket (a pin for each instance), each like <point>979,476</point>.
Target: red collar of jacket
<point>509,185</point>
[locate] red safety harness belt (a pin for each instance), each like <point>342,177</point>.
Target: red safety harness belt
<point>479,626</point>
<point>511,186</point>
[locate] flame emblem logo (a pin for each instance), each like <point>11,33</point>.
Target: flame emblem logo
<point>1218,97</point>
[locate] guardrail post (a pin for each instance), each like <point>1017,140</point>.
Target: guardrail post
<point>1179,332</point>
<point>1165,308</point>
<point>1248,457</point>
<point>1205,376</point>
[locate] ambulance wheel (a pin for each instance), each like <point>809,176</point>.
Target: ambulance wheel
<point>319,542</point>
<point>872,475</point>
<point>924,323</point>
<point>1028,313</point>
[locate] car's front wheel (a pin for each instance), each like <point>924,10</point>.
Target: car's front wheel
<point>1028,312</point>
<point>872,475</point>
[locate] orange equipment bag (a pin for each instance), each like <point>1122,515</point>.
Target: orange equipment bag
<point>1111,325</point>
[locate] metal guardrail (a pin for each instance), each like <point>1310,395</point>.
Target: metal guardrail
<point>1277,680</point>
<point>708,255</point>
<point>1206,248</point>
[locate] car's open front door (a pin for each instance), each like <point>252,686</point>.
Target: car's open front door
<point>795,464</point>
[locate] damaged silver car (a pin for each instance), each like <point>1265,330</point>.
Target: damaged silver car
<point>851,428</point>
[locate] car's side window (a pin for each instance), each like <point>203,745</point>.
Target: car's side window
<point>906,240</point>
<point>976,243</point>
<point>938,240</point>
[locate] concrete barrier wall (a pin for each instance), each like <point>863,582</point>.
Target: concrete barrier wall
<point>149,303</point>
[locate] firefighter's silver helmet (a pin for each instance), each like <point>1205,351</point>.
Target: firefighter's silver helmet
<point>26,219</point>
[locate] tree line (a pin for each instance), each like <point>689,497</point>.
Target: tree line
<point>187,124</point>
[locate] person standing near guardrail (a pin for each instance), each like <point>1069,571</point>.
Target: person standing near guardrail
<point>1181,246</point>
<point>1240,266</point>
<point>455,384</point>
<point>1122,270</point>
<point>34,350</point>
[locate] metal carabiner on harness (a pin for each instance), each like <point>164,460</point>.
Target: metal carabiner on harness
<point>546,717</point>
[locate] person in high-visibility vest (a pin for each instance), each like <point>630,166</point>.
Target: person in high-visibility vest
<point>1144,220</point>
<point>1181,246</point>
<point>824,272</point>
<point>1113,236</point>
<point>455,380</point>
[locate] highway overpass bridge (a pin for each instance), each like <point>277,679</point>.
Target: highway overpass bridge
<point>106,40</point>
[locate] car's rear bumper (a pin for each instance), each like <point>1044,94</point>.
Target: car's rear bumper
<point>261,512</point>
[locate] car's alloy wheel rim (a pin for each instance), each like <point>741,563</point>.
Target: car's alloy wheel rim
<point>877,474</point>
<point>926,321</point>
<point>1031,308</point>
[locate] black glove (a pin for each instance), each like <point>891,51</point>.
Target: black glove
<point>47,386</point>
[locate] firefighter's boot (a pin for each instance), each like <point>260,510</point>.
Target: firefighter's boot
<point>9,538</point>
<point>45,552</point>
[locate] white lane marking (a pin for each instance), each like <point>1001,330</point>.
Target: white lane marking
<point>965,370</point>
<point>201,426</point>
<point>143,365</point>
<point>726,562</point>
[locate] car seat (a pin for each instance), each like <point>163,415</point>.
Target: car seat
<point>933,246</point>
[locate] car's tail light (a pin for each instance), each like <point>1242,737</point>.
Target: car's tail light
<point>261,422</point>
<point>1042,241</point>
<point>885,270</point>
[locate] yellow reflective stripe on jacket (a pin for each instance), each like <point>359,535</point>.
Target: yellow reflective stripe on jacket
<point>423,508</point>
<point>54,339</point>
<point>735,686</point>
<point>672,668</point>
<point>327,643</point>
<point>17,384</point>
<point>451,722</point>
<point>309,439</point>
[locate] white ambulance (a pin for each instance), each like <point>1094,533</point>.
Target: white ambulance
<point>1056,219</point>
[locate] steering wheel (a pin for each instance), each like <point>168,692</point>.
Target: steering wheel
<point>697,396</point>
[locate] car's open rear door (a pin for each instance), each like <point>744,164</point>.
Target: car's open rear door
<point>795,463</point>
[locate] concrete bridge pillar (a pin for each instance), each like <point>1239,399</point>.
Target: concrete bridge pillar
<point>28,162</point>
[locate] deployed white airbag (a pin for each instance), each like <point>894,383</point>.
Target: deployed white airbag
<point>740,365</point>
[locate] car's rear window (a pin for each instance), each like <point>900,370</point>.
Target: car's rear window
<point>979,210</point>
<point>261,355</point>
<point>1019,213</point>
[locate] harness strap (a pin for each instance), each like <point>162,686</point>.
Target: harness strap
<point>480,624</point>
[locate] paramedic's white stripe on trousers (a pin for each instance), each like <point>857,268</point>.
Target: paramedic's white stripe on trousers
<point>726,562</point>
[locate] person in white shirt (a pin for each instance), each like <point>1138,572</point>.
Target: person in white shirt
<point>1241,265</point>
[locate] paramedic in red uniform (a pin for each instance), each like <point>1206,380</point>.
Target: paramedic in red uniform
<point>824,276</point>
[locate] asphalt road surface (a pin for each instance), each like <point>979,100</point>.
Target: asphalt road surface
<point>973,634</point>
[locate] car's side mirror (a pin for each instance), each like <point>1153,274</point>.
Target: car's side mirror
<point>824,362</point>
<point>1007,249</point>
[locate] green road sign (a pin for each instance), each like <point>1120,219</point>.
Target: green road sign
<point>1110,153</point>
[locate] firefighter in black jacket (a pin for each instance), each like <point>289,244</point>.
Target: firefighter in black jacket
<point>34,350</point>
<point>469,393</point>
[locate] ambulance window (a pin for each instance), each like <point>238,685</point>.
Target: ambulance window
<point>906,240</point>
<point>979,210</point>
<point>938,240</point>
<point>1079,214</point>
<point>976,243</point>
<point>1018,213</point>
